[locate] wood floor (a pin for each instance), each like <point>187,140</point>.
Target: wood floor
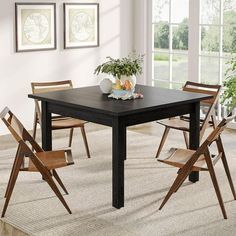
<point>148,129</point>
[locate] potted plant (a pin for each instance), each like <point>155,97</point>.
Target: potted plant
<point>123,69</point>
<point>229,94</point>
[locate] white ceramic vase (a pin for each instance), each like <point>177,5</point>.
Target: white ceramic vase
<point>131,78</point>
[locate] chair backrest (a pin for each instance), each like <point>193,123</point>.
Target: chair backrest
<point>44,87</point>
<point>213,90</point>
<point>214,136</point>
<point>18,131</point>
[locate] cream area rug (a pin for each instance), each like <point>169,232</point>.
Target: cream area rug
<point>193,210</point>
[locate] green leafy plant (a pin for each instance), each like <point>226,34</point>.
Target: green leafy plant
<point>131,65</point>
<point>229,94</point>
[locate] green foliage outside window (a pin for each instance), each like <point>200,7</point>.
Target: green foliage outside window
<point>229,94</point>
<point>210,41</point>
<point>209,35</point>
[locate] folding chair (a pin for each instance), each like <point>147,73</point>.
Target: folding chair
<point>38,160</point>
<point>200,160</point>
<point>58,122</point>
<point>182,123</point>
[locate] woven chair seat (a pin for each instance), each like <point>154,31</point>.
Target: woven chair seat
<point>51,159</point>
<point>65,123</point>
<point>178,157</point>
<point>175,123</point>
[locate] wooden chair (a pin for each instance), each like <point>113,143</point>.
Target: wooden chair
<point>182,123</point>
<point>200,160</point>
<point>58,122</point>
<point>38,160</point>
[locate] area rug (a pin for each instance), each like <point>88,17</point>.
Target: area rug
<point>193,210</point>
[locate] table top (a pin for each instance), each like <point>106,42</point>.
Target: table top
<point>91,98</point>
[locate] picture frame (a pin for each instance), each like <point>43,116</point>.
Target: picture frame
<point>81,25</point>
<point>35,26</point>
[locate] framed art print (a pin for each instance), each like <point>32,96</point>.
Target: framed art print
<point>81,25</point>
<point>35,26</point>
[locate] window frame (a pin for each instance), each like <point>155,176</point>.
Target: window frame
<point>194,45</point>
<point>170,52</point>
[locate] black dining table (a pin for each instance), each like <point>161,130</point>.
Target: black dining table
<point>88,103</point>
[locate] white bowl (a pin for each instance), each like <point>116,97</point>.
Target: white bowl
<point>122,93</point>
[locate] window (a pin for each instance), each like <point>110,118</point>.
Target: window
<point>192,40</point>
<point>170,43</point>
<point>218,40</point>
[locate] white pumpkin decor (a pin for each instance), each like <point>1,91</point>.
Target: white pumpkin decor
<point>106,86</point>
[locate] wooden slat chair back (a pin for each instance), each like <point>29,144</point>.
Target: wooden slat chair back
<point>39,160</point>
<point>58,122</point>
<point>44,87</point>
<point>182,123</point>
<point>18,131</point>
<point>201,160</point>
<point>212,90</point>
<point>203,89</point>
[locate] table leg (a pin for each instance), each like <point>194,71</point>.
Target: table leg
<point>46,127</point>
<point>194,136</point>
<point>118,157</point>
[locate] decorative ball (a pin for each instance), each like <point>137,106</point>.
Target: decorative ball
<point>106,86</point>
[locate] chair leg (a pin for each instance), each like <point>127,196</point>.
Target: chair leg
<point>214,121</point>
<point>56,176</point>
<point>215,183</point>
<point>14,164</point>
<point>85,141</point>
<point>226,166</point>
<point>47,177</point>
<point>186,139</point>
<point>177,183</point>
<point>182,175</point>
<point>177,188</point>
<point>163,139</point>
<point>71,136</point>
<point>12,181</point>
<point>35,125</point>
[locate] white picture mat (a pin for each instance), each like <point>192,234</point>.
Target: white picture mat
<point>22,47</point>
<point>67,26</point>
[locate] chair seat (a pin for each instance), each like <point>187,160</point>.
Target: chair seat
<point>175,123</point>
<point>51,159</point>
<point>65,123</point>
<point>178,157</point>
